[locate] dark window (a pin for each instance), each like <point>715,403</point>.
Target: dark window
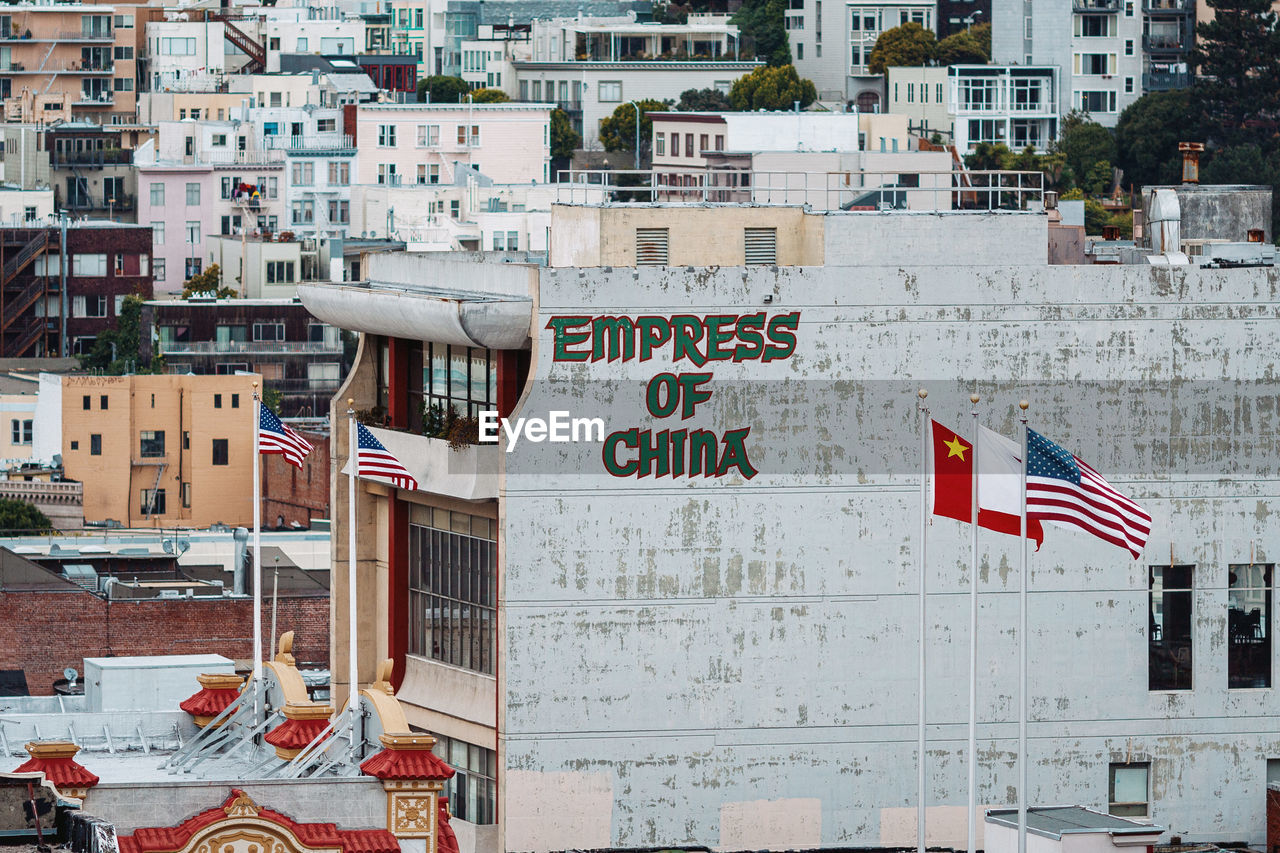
<point>152,443</point>
<point>1248,621</point>
<point>471,790</point>
<point>186,440</point>
<point>95,445</point>
<point>458,380</point>
<point>75,445</point>
<point>102,404</point>
<point>88,405</point>
<point>1169,657</point>
<point>219,451</point>
<point>235,404</point>
<point>217,404</point>
<point>452,588</point>
<point>152,502</point>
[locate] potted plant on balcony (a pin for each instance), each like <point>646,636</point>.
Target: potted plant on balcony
<point>285,237</point>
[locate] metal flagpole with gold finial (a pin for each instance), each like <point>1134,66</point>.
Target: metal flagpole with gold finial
<point>924,528</point>
<point>353,672</point>
<point>1023,700</point>
<point>257,539</point>
<point>973,634</point>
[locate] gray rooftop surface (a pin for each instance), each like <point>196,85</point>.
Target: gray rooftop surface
<point>1056,821</point>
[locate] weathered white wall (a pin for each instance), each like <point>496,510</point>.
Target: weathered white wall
<point>734,662</point>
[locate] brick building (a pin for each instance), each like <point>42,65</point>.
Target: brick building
<point>109,261</point>
<point>48,623</point>
<point>292,497</point>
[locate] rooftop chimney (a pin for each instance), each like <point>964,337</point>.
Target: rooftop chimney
<point>1191,161</point>
<point>1110,232</point>
<point>1255,235</point>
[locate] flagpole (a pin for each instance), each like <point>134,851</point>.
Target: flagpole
<point>353,676</point>
<point>1023,584</point>
<point>257,539</point>
<point>924,527</point>
<point>973,634</point>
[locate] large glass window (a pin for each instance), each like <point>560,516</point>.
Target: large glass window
<point>1169,657</point>
<point>471,790</point>
<point>453,587</point>
<point>1248,621</point>
<point>1128,787</point>
<point>151,443</point>
<point>459,378</point>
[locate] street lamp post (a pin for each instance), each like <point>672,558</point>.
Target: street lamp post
<point>968,22</point>
<point>637,159</point>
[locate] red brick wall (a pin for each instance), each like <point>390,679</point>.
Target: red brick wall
<point>44,632</point>
<point>296,494</point>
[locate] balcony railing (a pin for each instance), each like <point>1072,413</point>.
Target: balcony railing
<point>1168,7</point>
<point>96,99</point>
<point>247,347</point>
<point>86,35</point>
<point>1165,44</point>
<point>237,158</point>
<point>1164,81</point>
<point>335,142</point>
<point>1096,5</point>
<point>92,159</point>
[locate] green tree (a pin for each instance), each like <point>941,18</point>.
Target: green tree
<point>1237,60</point>
<point>442,90</point>
<point>18,518</point>
<point>967,47</point>
<point>705,100</point>
<point>762,31</point>
<point>1095,217</point>
<point>1083,143</point>
<point>564,139</point>
<point>1147,137</point>
<point>488,96</point>
<point>1245,164</point>
<point>115,351</point>
<point>208,282</point>
<point>273,399</point>
<point>989,156</point>
<point>768,88</point>
<point>1098,179</point>
<point>908,45</point>
<point>618,131</point>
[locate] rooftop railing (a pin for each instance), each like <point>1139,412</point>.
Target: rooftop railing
<point>881,192</point>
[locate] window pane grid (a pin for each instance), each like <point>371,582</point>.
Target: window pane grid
<point>452,601</point>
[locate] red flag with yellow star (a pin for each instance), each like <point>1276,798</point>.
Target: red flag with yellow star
<point>999,482</point>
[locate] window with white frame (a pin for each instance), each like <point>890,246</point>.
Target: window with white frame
<point>89,264</point>
<point>193,195</point>
<point>304,174</point>
<point>157,233</point>
<point>193,232</point>
<point>386,136</point>
<point>1094,63</point>
<point>387,173</point>
<point>158,269</point>
<point>303,212</point>
<point>157,194</point>
<point>428,135</point>
<point>1128,789</point>
<point>339,174</point>
<point>1097,102</point>
<point>278,272</point>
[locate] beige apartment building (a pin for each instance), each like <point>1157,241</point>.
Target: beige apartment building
<point>69,61</point>
<point>161,451</point>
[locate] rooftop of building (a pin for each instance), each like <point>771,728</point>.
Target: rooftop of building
<point>1057,821</point>
<point>522,11</point>
<point>512,107</point>
<point>234,302</point>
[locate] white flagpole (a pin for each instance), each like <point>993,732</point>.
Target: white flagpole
<point>973,635</point>
<point>924,527</point>
<point>257,539</point>
<point>353,671</point>
<point>1023,584</point>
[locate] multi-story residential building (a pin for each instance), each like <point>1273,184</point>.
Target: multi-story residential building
<point>1097,45</point>
<point>838,67</point>
<point>270,266</point>
<point>88,166</point>
<point>187,53</point>
<point>201,179</point>
<point>410,28</point>
<point>67,61</point>
<point>107,262</point>
<point>319,157</point>
<point>591,66</point>
<point>1168,35</point>
<point>298,357</point>
<point>471,214</point>
<point>428,143</point>
<point>391,72</point>
<point>160,451</point>
<point>462,19</point>
<point>489,59</point>
<point>1014,105</point>
<point>303,30</point>
<point>923,95</point>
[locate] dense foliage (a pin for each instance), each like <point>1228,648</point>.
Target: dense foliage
<point>769,88</point>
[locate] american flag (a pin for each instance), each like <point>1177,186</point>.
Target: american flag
<point>375,462</point>
<point>1063,489</point>
<point>275,437</point>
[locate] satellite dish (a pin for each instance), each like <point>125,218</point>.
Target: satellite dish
<point>70,675</point>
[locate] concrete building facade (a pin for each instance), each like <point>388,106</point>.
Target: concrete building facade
<point>730,661</point>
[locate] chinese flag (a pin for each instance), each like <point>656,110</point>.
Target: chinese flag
<point>999,482</point>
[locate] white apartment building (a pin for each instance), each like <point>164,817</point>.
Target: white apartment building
<point>682,139</point>
<point>184,52</point>
<point>474,215</point>
<point>923,95</point>
<point>19,206</point>
<point>1015,105</point>
<point>319,158</point>
<point>1097,45</point>
<point>429,143</point>
<point>838,67</point>
<point>300,29</point>
<point>488,60</point>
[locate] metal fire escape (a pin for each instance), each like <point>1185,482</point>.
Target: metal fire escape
<point>20,328</point>
<point>257,53</point>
